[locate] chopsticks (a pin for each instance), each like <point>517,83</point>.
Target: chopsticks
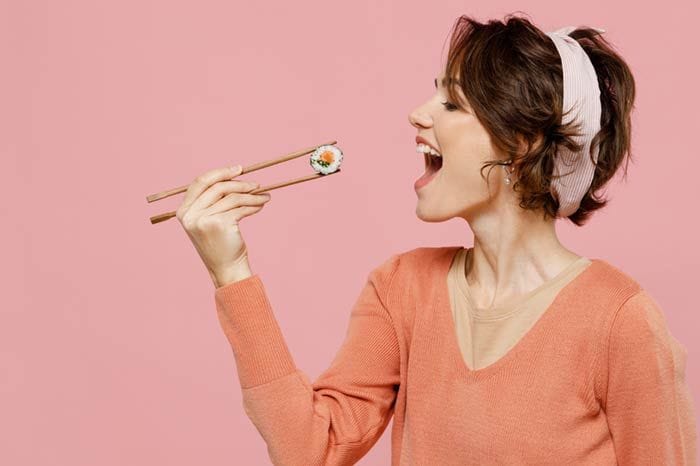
<point>251,168</point>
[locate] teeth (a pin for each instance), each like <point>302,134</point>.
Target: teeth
<point>426,149</point>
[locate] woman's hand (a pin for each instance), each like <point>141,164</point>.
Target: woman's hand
<point>210,212</point>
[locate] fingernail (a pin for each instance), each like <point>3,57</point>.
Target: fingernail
<point>236,169</point>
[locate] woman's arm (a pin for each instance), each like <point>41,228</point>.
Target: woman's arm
<point>647,402</point>
<point>336,419</point>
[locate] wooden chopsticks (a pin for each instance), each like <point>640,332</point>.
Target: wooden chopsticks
<point>251,168</point>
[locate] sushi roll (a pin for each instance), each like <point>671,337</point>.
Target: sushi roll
<point>326,159</point>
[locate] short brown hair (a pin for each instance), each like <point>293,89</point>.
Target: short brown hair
<point>511,75</point>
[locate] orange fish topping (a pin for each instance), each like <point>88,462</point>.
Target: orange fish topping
<point>327,156</point>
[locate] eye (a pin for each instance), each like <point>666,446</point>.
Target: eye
<point>449,106</point>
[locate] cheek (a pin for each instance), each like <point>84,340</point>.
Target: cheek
<point>467,155</point>
<point>461,170</point>
<point>461,175</point>
<point>462,133</point>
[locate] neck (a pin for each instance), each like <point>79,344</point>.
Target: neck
<point>514,252</point>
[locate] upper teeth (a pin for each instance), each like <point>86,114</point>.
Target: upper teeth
<point>426,149</point>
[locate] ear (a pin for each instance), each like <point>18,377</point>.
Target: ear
<point>535,145</point>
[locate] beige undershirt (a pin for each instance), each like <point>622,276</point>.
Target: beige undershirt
<point>485,335</point>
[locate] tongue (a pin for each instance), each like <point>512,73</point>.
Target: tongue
<point>430,170</point>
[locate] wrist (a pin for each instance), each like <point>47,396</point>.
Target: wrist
<point>231,274</point>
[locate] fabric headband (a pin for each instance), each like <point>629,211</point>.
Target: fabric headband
<point>580,87</point>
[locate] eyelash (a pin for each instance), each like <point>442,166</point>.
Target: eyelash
<point>449,107</point>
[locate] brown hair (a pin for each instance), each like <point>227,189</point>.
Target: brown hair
<point>511,75</point>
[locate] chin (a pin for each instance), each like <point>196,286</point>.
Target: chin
<point>431,215</point>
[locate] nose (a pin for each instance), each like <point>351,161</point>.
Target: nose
<point>419,118</point>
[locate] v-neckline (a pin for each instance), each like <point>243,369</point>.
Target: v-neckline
<point>442,304</point>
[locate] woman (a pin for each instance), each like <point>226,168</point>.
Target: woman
<point>513,351</point>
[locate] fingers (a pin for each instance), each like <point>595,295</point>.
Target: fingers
<point>233,216</point>
<point>235,200</point>
<point>205,180</point>
<point>218,190</point>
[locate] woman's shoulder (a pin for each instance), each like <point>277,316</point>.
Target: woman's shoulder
<point>609,278</point>
<point>639,340</point>
<point>633,317</point>
<point>639,311</point>
<point>416,259</point>
<point>424,256</point>
<point>424,265</point>
<point>401,271</point>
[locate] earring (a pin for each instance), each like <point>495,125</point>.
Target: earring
<point>507,178</point>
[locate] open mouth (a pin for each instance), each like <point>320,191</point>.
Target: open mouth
<point>433,163</point>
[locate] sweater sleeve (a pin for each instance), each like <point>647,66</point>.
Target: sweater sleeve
<point>336,419</point>
<point>647,402</point>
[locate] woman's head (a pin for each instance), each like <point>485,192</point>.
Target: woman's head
<point>498,104</point>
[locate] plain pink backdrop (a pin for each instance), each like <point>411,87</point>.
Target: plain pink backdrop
<point>110,349</point>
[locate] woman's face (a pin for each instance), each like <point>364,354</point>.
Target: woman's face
<point>457,188</point>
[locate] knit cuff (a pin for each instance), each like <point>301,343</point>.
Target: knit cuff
<point>249,323</point>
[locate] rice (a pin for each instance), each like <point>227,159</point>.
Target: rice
<point>326,159</point>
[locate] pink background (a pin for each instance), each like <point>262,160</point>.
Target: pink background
<point>110,350</point>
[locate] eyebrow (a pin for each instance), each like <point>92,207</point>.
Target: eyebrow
<point>445,81</point>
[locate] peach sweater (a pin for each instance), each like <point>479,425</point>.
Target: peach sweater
<point>597,380</point>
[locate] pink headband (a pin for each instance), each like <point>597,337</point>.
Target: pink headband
<point>580,86</point>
